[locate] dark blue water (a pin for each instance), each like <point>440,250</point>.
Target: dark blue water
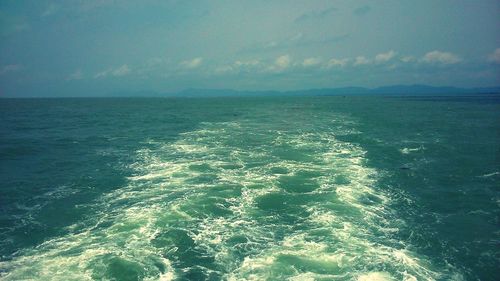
<point>284,188</point>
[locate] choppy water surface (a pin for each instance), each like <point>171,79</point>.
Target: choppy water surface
<point>324,188</point>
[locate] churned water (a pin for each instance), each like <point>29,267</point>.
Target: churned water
<point>283,188</point>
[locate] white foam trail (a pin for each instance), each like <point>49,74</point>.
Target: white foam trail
<point>407,150</point>
<point>489,175</point>
<point>375,276</point>
<point>210,184</point>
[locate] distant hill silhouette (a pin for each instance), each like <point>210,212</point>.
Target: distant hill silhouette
<point>392,90</point>
<point>386,90</point>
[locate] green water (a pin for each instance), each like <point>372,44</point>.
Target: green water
<point>311,188</point>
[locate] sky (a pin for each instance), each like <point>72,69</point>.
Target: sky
<point>103,47</point>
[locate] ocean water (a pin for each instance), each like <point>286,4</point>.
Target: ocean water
<point>276,188</point>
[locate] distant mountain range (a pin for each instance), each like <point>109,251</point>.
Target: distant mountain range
<point>394,90</point>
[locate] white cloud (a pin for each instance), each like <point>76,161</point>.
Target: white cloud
<point>77,75</point>
<point>495,56</point>
<point>385,57</point>
<point>407,59</point>
<point>281,63</point>
<point>193,63</point>
<point>121,71</point>
<point>281,43</point>
<point>10,68</point>
<point>117,72</point>
<point>239,66</point>
<point>311,62</point>
<point>361,60</point>
<point>441,58</point>
<point>337,62</point>
<point>102,74</point>
<point>247,63</point>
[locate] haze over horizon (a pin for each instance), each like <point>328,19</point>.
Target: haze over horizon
<point>92,48</point>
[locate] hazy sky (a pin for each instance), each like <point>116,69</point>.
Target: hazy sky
<point>96,47</point>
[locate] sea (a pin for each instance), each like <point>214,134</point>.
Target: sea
<point>250,188</point>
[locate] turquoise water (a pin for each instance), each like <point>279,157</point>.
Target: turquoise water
<point>311,188</point>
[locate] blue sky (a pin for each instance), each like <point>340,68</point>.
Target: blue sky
<point>97,47</point>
